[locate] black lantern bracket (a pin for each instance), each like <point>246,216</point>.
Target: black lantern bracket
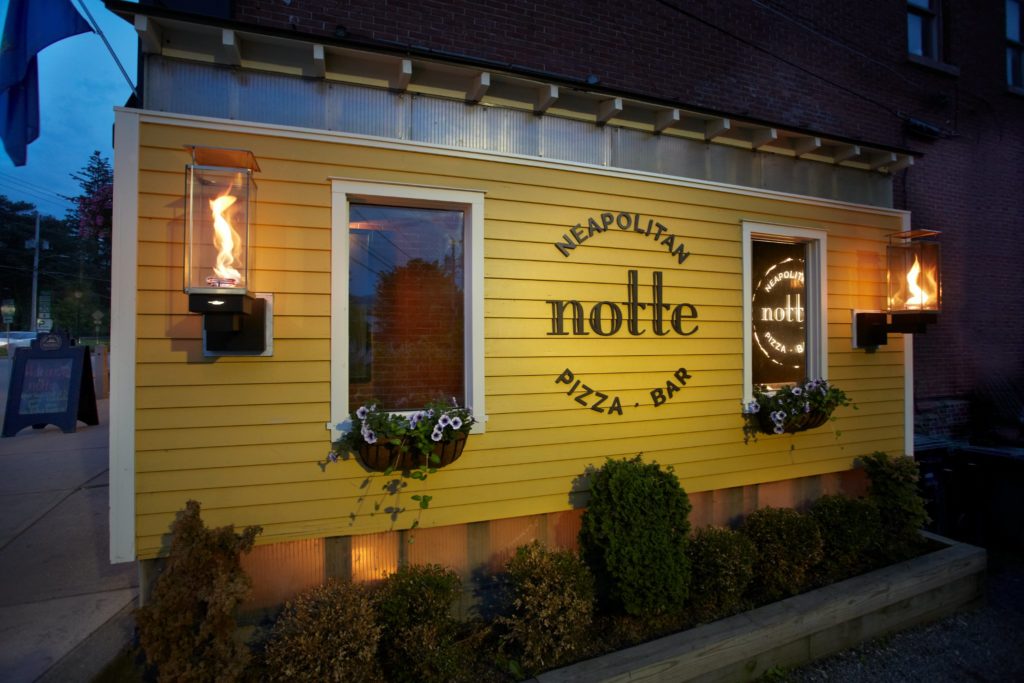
<point>871,328</point>
<point>236,325</point>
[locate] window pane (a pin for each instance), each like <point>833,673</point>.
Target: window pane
<point>923,4</point>
<point>1013,20</point>
<point>406,306</point>
<point>915,34</point>
<point>778,313</point>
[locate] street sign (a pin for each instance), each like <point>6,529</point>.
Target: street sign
<point>43,307</point>
<point>44,324</point>
<point>7,308</point>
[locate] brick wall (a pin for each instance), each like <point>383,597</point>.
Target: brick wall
<point>837,68</point>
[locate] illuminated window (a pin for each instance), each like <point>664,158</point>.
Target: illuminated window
<point>1014,46</point>
<point>924,26</point>
<point>784,305</point>
<point>406,298</point>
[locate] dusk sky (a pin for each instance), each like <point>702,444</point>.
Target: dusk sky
<point>79,86</point>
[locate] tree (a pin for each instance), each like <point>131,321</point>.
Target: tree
<point>89,224</point>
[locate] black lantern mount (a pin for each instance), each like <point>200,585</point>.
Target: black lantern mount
<point>914,278</point>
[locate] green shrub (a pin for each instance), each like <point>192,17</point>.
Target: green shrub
<point>634,535</point>
<point>893,490</point>
<point>850,529</point>
<point>551,610</point>
<point>187,630</point>
<point>330,633</point>
<point>721,566</point>
<point>788,547</point>
<point>419,640</point>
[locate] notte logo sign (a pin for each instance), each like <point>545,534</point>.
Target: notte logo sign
<point>644,312</point>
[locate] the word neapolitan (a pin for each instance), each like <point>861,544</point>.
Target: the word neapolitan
<point>634,222</point>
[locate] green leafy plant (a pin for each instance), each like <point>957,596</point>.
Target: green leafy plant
<point>850,531</point>
<point>329,633</point>
<point>722,566</point>
<point>788,547</point>
<point>551,610</point>
<point>633,537</point>
<point>893,490</point>
<point>187,630</point>
<point>792,408</point>
<point>419,638</point>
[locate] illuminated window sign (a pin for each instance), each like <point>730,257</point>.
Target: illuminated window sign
<point>779,312</point>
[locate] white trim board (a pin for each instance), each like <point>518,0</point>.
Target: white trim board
<point>123,308</point>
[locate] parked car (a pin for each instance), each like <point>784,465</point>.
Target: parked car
<point>10,341</point>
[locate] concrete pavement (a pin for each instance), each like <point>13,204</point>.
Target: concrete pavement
<point>64,609</point>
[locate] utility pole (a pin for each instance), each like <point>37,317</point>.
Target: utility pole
<point>35,276</point>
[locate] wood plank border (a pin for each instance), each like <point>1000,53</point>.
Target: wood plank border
<point>802,628</point>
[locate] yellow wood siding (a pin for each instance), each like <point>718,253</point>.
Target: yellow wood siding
<point>244,435</point>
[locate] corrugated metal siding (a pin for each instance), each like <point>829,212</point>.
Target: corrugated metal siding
<point>244,435</point>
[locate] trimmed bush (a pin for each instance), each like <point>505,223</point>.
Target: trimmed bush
<point>187,630</point>
<point>721,566</point>
<point>788,547</point>
<point>850,530</point>
<point>330,633</point>
<point>419,638</point>
<point>634,535</point>
<point>551,610</point>
<point>893,490</point>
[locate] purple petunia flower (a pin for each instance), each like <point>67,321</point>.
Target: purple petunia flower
<point>797,391</point>
<point>362,412</point>
<point>370,437</point>
<point>436,435</point>
<point>444,421</point>
<point>332,456</point>
<point>456,422</point>
<point>779,429</point>
<point>753,407</point>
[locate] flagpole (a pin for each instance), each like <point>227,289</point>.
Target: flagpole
<point>96,27</point>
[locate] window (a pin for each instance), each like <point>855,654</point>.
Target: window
<point>785,314</point>
<point>407,297</point>
<point>1014,46</point>
<point>924,27</point>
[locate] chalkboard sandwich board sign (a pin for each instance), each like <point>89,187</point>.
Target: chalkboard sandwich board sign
<point>51,383</point>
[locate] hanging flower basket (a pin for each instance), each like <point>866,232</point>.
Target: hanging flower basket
<point>422,441</point>
<point>793,424</point>
<point>792,408</point>
<point>386,454</point>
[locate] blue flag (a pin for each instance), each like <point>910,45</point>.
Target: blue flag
<point>31,26</point>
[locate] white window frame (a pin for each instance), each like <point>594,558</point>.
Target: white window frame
<point>344,192</point>
<point>816,279</point>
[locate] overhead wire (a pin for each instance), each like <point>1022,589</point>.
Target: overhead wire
<point>754,46</point>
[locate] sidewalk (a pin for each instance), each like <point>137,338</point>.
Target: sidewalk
<point>64,609</point>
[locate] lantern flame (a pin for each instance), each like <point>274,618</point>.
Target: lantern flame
<point>919,298</point>
<point>227,243</point>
